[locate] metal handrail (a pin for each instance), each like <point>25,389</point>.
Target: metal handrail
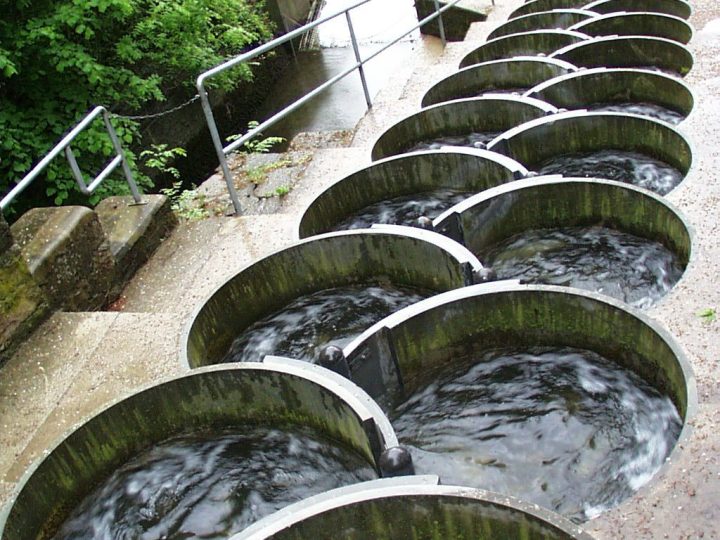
<point>223,151</point>
<point>64,145</point>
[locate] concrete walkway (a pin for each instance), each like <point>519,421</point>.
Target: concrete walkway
<point>78,363</point>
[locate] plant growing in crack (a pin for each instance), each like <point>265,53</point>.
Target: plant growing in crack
<point>187,204</point>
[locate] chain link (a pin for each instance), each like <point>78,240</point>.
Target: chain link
<point>162,113</point>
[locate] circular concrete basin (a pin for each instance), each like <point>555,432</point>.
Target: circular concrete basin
<point>588,89</point>
<point>506,75</point>
<point>640,272</point>
<point>637,24</point>
<point>454,170</point>
<point>398,257</point>
<point>531,43</point>
<point>654,154</point>
<point>481,117</point>
<point>419,508</point>
<point>542,20</point>
<point>279,395</point>
<point>472,365</point>
<point>679,8</point>
<point>629,51</point>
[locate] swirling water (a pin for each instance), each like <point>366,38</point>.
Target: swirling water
<point>629,268</point>
<point>404,210</point>
<point>564,428</point>
<point>644,109</point>
<point>478,139</point>
<point>211,485</point>
<point>619,165</point>
<point>304,327</point>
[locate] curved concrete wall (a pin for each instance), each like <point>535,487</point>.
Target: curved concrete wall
<point>536,6</point>
<point>438,329</point>
<point>551,202</point>
<point>615,85</point>
<point>564,133</point>
<point>512,73</point>
<point>419,508</point>
<point>458,169</point>
<point>282,392</point>
<point>525,43</point>
<point>402,256</point>
<point>679,8</point>
<point>628,51</point>
<point>489,113</point>
<point>542,20</point>
<point>637,24</point>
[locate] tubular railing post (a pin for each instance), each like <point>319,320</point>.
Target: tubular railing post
<point>219,150</point>
<point>123,160</point>
<point>361,70</point>
<point>441,26</point>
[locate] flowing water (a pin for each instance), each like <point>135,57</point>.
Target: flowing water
<point>643,109</point>
<point>404,210</point>
<point>472,140</point>
<point>628,167</point>
<point>212,485</point>
<point>304,327</point>
<point>632,269</point>
<point>564,428</point>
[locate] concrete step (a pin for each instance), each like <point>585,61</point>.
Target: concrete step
<point>74,365</point>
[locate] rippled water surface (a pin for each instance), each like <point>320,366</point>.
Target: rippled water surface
<point>564,428</point>
<point>404,210</point>
<point>623,266</point>
<point>472,140</point>
<point>329,317</point>
<point>628,167</point>
<point>643,109</point>
<point>212,485</point>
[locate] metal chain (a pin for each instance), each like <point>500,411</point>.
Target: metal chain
<point>162,113</point>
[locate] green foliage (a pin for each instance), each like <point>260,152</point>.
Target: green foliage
<point>708,315</point>
<point>159,156</point>
<point>256,145</point>
<point>187,204</point>
<point>58,58</point>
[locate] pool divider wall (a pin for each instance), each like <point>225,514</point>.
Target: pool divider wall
<point>488,113</point>
<point>628,51</point>
<point>534,42</point>
<point>282,393</point>
<point>502,314</point>
<point>517,72</point>
<point>637,24</point>
<point>580,131</point>
<point>548,202</point>
<point>402,256</point>
<point>457,168</point>
<point>615,85</point>
<point>679,8</point>
<point>537,6</point>
<point>412,507</point>
<point>542,20</point>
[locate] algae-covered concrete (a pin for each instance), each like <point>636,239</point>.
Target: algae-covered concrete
<point>67,254</point>
<point>457,169</point>
<point>535,42</point>
<point>628,51</point>
<point>543,20</point>
<point>637,24</point>
<point>494,113</point>
<point>276,397</point>
<point>496,75</point>
<point>678,8</point>
<point>77,363</point>
<point>615,85</point>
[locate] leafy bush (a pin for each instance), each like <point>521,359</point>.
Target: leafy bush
<point>58,58</point>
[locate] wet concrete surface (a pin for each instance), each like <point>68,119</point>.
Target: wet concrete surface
<point>78,363</point>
